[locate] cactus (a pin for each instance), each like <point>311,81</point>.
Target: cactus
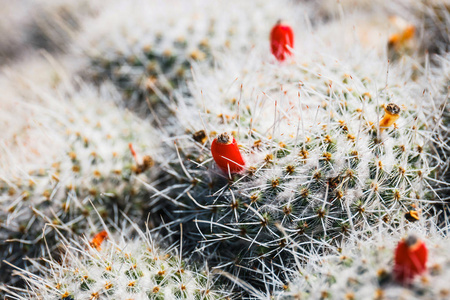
<point>365,269</point>
<point>329,147</point>
<point>91,162</point>
<point>121,268</point>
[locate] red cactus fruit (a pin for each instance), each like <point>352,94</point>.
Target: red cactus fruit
<point>410,259</point>
<point>226,154</point>
<point>281,40</point>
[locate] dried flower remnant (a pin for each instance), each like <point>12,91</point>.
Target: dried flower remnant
<point>141,166</point>
<point>226,154</point>
<point>98,239</point>
<point>281,40</point>
<point>392,113</point>
<point>412,216</point>
<point>200,136</point>
<point>410,259</point>
<point>398,40</point>
<point>402,42</point>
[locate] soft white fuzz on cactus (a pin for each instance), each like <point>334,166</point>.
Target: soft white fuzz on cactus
<point>70,147</point>
<point>331,145</point>
<point>128,265</point>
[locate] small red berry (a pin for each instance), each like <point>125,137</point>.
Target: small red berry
<point>281,40</point>
<point>226,154</point>
<point>410,259</point>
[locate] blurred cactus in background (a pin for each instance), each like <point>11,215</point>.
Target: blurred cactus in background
<point>148,57</point>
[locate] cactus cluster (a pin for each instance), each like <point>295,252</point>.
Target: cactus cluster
<point>294,162</point>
